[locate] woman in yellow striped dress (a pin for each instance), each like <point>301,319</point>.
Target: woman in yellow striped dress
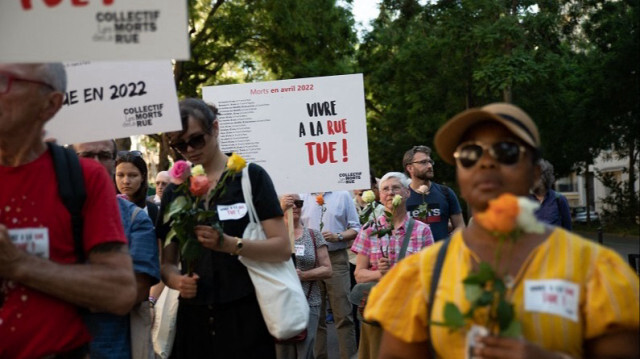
<point>572,297</point>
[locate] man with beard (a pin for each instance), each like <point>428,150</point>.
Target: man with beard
<point>430,202</point>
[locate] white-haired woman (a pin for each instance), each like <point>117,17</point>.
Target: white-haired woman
<point>378,252</point>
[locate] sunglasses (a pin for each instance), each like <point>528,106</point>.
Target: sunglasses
<point>298,203</point>
<point>100,155</point>
<point>129,153</point>
<point>195,142</point>
<point>505,152</point>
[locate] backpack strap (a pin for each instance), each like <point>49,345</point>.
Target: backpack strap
<point>71,190</point>
<point>435,278</point>
<point>407,238</point>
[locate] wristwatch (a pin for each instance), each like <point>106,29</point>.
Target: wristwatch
<point>340,237</point>
<point>238,246</point>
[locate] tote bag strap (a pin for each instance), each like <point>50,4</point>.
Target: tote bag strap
<point>248,197</point>
<point>407,238</point>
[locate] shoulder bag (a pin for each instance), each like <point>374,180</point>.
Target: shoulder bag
<point>282,302</point>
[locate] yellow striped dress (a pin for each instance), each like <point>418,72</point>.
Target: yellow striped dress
<point>565,267</point>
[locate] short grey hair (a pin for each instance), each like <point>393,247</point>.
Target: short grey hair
<point>404,180</point>
<point>546,176</point>
<point>55,75</point>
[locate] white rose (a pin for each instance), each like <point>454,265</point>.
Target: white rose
<point>397,199</point>
<point>527,220</point>
<point>368,196</point>
<point>424,189</point>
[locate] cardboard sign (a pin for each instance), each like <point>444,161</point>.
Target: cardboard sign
<point>74,30</point>
<point>116,99</point>
<point>310,134</point>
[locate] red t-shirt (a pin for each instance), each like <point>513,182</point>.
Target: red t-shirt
<point>33,324</point>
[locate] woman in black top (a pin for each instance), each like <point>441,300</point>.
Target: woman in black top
<point>218,315</point>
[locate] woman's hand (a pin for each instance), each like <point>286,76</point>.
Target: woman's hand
<point>286,202</point>
<point>383,265</point>
<point>507,348</point>
<point>208,236</point>
<point>188,285</point>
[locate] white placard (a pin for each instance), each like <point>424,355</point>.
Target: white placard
<point>116,99</point>
<point>310,134</point>
<point>74,30</point>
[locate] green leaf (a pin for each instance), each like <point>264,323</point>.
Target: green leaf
<point>514,330</point>
<point>498,286</point>
<point>505,314</point>
<point>452,316</point>
<point>172,233</point>
<point>203,215</point>
<point>472,291</point>
<point>485,272</point>
<point>485,299</point>
<point>179,204</point>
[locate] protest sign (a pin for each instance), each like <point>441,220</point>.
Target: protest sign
<point>310,134</point>
<point>79,30</point>
<point>116,99</point>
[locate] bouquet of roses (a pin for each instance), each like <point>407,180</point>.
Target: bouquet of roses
<point>507,217</point>
<point>379,230</point>
<point>190,207</point>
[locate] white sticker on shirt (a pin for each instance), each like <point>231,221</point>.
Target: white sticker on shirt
<point>31,240</point>
<point>553,296</point>
<point>299,250</point>
<point>232,211</point>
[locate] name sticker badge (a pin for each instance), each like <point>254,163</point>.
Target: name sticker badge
<point>553,296</point>
<point>299,250</point>
<point>232,211</point>
<point>31,240</point>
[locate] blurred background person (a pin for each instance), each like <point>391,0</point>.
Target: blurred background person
<point>131,179</point>
<point>554,207</point>
<point>162,180</point>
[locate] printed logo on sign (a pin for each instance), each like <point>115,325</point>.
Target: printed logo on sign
<point>349,177</point>
<point>125,27</point>
<point>142,116</point>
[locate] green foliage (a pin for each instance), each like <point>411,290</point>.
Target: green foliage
<point>619,207</point>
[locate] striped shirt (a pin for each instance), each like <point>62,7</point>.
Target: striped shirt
<point>389,246</point>
<point>607,295</point>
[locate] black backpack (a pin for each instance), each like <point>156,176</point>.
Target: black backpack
<point>71,190</point>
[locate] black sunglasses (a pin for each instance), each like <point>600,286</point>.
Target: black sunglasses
<point>505,152</point>
<point>100,155</point>
<point>122,154</point>
<point>298,203</point>
<point>195,142</point>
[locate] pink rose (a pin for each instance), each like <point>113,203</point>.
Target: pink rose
<point>180,172</point>
<point>199,185</point>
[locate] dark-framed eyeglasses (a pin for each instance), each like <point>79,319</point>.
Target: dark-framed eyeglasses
<point>298,203</point>
<point>506,152</point>
<point>423,162</point>
<point>122,154</point>
<point>7,79</point>
<point>196,142</point>
<point>99,155</point>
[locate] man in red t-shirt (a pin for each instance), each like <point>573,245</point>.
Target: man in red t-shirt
<point>42,285</point>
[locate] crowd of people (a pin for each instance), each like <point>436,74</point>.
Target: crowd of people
<point>385,264</point>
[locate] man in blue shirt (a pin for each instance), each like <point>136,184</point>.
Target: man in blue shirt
<point>554,207</point>
<point>441,202</point>
<point>111,333</point>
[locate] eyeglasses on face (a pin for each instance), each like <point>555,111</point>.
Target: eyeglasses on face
<point>7,79</point>
<point>196,142</point>
<point>424,162</point>
<point>391,189</point>
<point>298,203</point>
<point>505,152</point>
<point>99,155</point>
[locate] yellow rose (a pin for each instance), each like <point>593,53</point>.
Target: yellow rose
<point>236,163</point>
<point>368,196</point>
<point>198,170</point>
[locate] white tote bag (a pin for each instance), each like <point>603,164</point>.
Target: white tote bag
<point>282,302</point>
<point>163,331</point>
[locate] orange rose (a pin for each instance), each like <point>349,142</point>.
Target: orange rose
<point>199,185</point>
<point>501,215</point>
<point>320,200</point>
